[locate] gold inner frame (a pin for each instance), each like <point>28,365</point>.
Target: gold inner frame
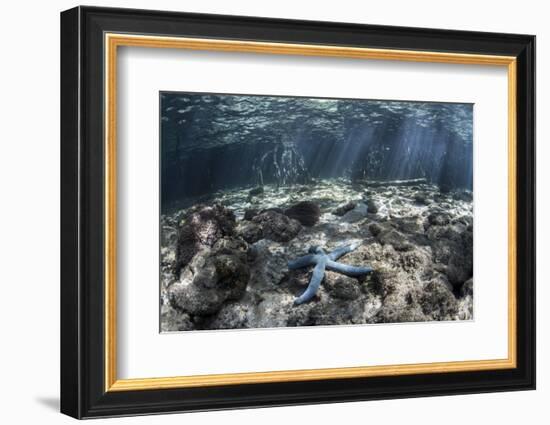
<point>113,41</point>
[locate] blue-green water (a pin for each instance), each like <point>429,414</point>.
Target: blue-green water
<point>213,142</point>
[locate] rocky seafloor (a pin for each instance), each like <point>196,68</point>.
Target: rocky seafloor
<point>224,259</point>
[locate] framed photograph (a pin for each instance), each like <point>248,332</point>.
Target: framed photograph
<point>261,212</point>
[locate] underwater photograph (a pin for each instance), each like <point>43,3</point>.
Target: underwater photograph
<point>294,211</point>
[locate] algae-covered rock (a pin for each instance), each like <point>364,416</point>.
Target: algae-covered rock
<point>201,227</point>
<point>306,212</point>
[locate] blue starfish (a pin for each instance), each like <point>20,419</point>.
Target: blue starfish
<point>323,261</point>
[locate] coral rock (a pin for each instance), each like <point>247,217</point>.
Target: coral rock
<point>250,213</point>
<point>202,227</point>
<point>306,212</point>
<point>438,219</point>
<point>213,277</point>
<point>356,214</point>
<point>270,225</point>
<point>372,206</point>
<point>341,210</point>
<point>341,286</point>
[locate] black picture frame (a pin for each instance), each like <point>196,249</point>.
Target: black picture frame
<point>83,392</point>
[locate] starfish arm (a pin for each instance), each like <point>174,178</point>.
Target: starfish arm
<point>342,250</point>
<point>347,270</point>
<point>306,260</point>
<point>314,283</point>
